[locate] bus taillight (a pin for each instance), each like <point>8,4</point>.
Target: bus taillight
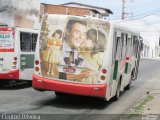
<point>36,69</point>
<point>104,71</point>
<point>127,58</point>
<point>37,62</point>
<point>103,77</point>
<point>14,63</point>
<point>15,58</point>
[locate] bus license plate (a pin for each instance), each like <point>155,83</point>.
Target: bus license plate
<point>68,70</point>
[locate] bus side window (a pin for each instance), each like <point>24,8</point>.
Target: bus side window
<point>131,46</point>
<point>118,49</point>
<point>135,42</point>
<point>25,41</point>
<point>128,46</point>
<point>124,44</point>
<point>114,46</point>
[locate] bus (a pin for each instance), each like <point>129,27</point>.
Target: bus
<point>17,47</point>
<point>85,56</point>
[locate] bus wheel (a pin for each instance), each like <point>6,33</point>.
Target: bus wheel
<point>133,74</point>
<point>3,83</point>
<point>116,97</point>
<point>59,94</point>
<point>129,84</point>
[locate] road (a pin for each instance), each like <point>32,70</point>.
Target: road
<point>23,99</point>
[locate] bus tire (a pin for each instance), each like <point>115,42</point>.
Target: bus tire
<point>129,84</point>
<point>4,82</point>
<point>134,74</point>
<point>116,97</point>
<point>59,94</point>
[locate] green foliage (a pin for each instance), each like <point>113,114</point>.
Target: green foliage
<point>140,107</point>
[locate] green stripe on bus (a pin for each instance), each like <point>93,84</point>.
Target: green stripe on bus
<point>126,68</point>
<point>115,70</point>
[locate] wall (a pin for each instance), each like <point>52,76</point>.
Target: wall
<point>57,9</point>
<point>23,13</point>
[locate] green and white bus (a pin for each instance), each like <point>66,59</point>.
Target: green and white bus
<point>85,56</point>
<point>17,47</point>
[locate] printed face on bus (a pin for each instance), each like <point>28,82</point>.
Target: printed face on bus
<point>56,35</point>
<point>77,35</point>
<point>89,45</point>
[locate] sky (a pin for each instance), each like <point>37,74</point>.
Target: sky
<point>146,13</point>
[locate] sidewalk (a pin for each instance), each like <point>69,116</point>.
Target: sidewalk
<point>147,104</point>
<point>147,107</point>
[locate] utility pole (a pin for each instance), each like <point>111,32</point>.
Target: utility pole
<point>123,7</point>
<point>123,10</point>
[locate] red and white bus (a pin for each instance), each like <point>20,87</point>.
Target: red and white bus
<point>85,56</point>
<point>17,46</point>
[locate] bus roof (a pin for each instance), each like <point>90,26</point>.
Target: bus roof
<point>119,26</point>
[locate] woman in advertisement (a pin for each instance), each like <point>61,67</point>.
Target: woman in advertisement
<point>52,53</point>
<point>92,52</point>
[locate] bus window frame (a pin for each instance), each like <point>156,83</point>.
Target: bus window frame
<point>30,42</point>
<point>114,49</point>
<point>124,44</point>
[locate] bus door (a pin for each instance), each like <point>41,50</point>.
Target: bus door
<point>116,53</point>
<point>7,49</point>
<point>116,56</point>
<point>136,54</point>
<point>27,48</point>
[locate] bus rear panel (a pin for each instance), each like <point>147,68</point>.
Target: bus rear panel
<point>70,56</point>
<point>8,55</point>
<point>17,47</point>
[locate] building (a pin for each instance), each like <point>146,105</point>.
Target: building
<point>76,9</point>
<point>151,47</point>
<point>23,13</point>
<point>149,33</point>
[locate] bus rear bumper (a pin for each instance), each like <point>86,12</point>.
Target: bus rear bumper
<point>12,74</point>
<point>40,83</point>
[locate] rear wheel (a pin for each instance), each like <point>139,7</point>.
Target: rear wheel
<point>129,84</point>
<point>4,82</point>
<point>59,94</point>
<point>116,97</point>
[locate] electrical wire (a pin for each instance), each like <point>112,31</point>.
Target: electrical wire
<point>143,15</point>
<point>140,17</point>
<point>157,10</point>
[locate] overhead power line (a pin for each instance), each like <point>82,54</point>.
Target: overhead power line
<point>140,17</point>
<point>149,12</point>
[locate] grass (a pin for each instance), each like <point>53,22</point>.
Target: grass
<point>139,108</point>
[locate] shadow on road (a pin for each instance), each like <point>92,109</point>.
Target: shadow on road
<point>73,102</point>
<point>16,85</point>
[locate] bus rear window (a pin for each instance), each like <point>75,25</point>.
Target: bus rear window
<point>28,41</point>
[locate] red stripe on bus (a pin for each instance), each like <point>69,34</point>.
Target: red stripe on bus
<point>6,50</point>
<point>96,90</point>
<point>13,74</point>
<point>4,29</point>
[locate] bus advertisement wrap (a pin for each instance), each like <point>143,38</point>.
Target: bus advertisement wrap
<point>7,40</point>
<point>72,48</point>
